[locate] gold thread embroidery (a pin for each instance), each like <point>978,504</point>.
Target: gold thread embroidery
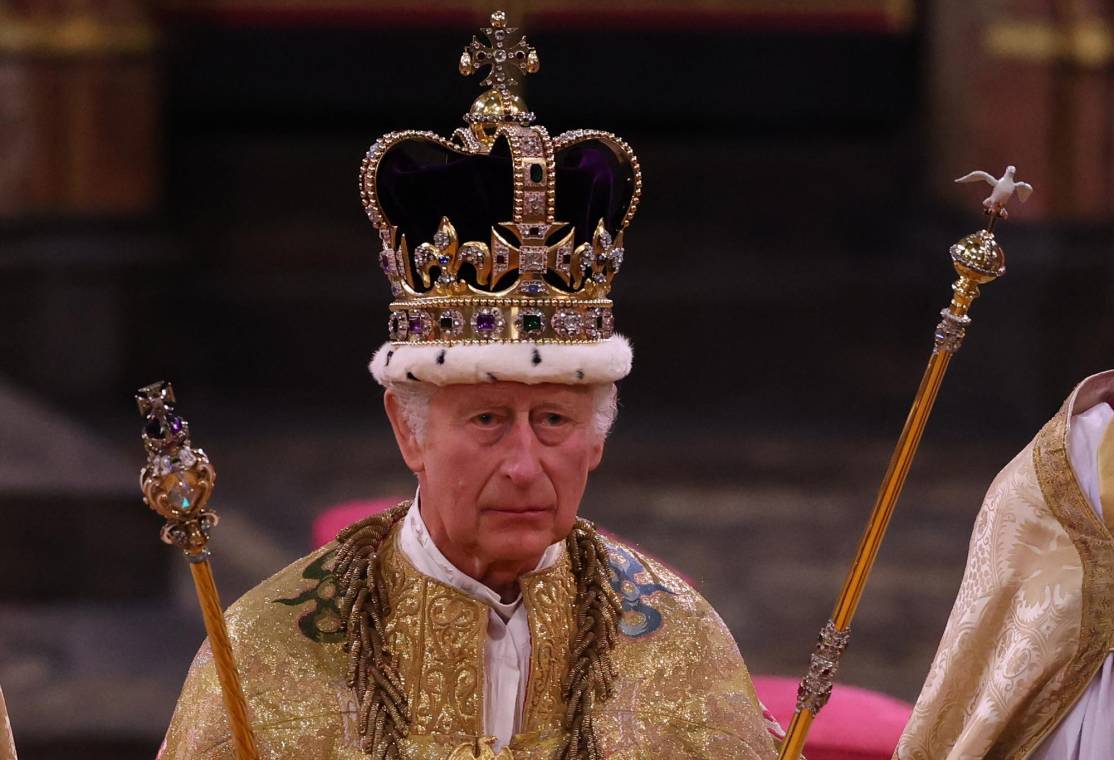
<point>438,634</point>
<point>480,750</point>
<point>548,596</point>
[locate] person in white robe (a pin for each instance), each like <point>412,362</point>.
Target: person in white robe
<point>1025,668</point>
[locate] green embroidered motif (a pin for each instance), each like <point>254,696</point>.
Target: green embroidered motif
<point>322,623</point>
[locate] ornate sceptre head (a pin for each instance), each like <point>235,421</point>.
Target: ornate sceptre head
<point>978,260</point>
<point>176,483</point>
<point>177,479</point>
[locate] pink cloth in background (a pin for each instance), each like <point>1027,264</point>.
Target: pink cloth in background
<point>335,519</point>
<point>856,724</point>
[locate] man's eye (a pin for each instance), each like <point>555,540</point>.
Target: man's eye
<point>554,419</point>
<point>486,419</point>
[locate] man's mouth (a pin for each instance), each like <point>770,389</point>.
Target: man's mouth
<point>524,511</point>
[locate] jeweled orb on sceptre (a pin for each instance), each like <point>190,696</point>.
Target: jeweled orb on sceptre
<point>178,478</point>
<point>978,258</point>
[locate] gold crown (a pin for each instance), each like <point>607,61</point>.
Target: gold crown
<point>482,278</point>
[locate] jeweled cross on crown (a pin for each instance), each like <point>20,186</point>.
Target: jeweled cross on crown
<point>510,61</point>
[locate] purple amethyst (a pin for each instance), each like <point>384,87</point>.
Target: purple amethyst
<point>175,423</point>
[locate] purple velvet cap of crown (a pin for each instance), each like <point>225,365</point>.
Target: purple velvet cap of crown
<point>419,181</point>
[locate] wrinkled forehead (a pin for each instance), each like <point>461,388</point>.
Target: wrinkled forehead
<point>511,394</point>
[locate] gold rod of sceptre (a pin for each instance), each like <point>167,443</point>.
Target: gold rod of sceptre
<point>176,483</point>
<point>978,260</point>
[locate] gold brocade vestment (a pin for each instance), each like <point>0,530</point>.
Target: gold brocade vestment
<point>7,744</point>
<point>683,689</point>
<point>1034,617</point>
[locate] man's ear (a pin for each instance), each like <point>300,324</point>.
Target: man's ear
<point>595,454</point>
<point>408,444</point>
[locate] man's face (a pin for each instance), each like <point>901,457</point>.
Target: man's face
<point>502,468</point>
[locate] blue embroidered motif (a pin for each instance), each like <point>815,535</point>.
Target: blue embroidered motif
<point>632,582</point>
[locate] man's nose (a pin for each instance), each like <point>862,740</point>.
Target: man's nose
<point>522,457</point>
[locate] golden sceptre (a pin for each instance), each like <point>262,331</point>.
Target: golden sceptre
<point>978,259</point>
<point>176,483</point>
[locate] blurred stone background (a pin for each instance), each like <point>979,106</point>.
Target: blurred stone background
<point>177,200</point>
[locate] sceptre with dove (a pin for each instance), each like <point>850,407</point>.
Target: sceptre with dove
<point>978,259</point>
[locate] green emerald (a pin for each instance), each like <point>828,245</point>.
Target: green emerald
<point>536,174</point>
<point>531,323</point>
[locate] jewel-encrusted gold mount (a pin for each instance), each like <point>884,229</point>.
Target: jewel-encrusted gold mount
<point>531,281</point>
<point>178,478</point>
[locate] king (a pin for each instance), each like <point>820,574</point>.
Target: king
<point>483,619</point>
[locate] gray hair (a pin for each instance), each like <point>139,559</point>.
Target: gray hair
<point>414,399</point>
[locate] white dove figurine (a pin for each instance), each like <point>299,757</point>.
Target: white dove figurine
<point>1004,188</point>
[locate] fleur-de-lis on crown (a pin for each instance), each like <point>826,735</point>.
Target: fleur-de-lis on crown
<point>604,260</point>
<point>441,255</point>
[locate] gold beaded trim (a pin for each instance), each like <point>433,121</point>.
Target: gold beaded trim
<point>369,167</point>
<point>533,200</point>
<point>565,139</point>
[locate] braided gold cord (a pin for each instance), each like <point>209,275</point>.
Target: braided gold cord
<point>373,672</point>
<point>592,672</point>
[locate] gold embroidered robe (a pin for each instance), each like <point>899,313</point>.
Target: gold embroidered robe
<point>1034,617</point>
<point>683,689</point>
<point>7,743</point>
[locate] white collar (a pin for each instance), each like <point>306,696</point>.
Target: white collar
<point>419,548</point>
